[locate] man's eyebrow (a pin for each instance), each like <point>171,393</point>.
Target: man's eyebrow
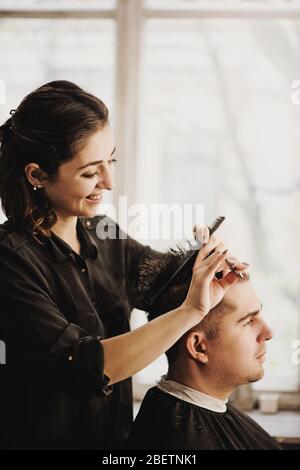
<point>95,163</point>
<point>251,314</point>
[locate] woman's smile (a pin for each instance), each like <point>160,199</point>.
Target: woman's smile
<point>94,198</point>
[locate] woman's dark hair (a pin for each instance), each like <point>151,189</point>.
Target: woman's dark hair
<point>50,125</point>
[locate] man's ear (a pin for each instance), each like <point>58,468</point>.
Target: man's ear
<point>196,346</point>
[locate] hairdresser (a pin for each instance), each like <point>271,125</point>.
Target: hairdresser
<point>66,294</point>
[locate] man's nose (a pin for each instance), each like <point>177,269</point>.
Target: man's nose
<point>266,333</point>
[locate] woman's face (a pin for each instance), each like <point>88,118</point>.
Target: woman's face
<point>78,189</point>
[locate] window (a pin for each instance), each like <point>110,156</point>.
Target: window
<point>219,127</point>
<point>42,50</point>
<point>208,90</point>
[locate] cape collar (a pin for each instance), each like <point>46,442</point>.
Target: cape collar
<point>191,395</point>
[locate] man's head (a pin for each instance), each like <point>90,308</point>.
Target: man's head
<point>228,345</point>
<point>230,342</point>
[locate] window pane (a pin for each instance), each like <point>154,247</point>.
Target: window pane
<point>104,4</point>
<point>42,50</point>
<point>220,128</point>
<point>173,4</point>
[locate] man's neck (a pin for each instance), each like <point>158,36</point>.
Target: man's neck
<point>202,383</point>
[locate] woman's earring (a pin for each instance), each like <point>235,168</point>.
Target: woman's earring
<point>36,187</point>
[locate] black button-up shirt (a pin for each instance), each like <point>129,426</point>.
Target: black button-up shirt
<point>55,307</point>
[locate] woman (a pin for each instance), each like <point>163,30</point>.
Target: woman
<point>65,294</point>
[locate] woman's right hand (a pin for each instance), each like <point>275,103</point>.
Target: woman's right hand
<point>205,290</point>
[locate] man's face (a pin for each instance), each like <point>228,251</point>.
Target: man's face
<point>237,354</point>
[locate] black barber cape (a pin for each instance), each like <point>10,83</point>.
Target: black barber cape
<point>55,305</point>
<point>167,422</point>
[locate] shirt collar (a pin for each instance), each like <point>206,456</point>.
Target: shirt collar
<point>191,395</point>
<point>61,250</point>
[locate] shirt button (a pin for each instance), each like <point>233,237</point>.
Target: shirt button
<point>88,223</point>
<point>70,358</point>
<point>83,270</point>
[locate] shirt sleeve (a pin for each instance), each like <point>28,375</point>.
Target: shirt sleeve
<point>40,342</point>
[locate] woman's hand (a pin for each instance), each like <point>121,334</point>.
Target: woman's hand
<point>206,291</point>
<point>202,234</point>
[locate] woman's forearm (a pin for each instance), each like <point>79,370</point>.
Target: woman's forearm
<point>126,354</point>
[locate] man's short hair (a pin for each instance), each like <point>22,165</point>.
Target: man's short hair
<point>154,272</point>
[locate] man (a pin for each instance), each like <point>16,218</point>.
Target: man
<point>189,409</point>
